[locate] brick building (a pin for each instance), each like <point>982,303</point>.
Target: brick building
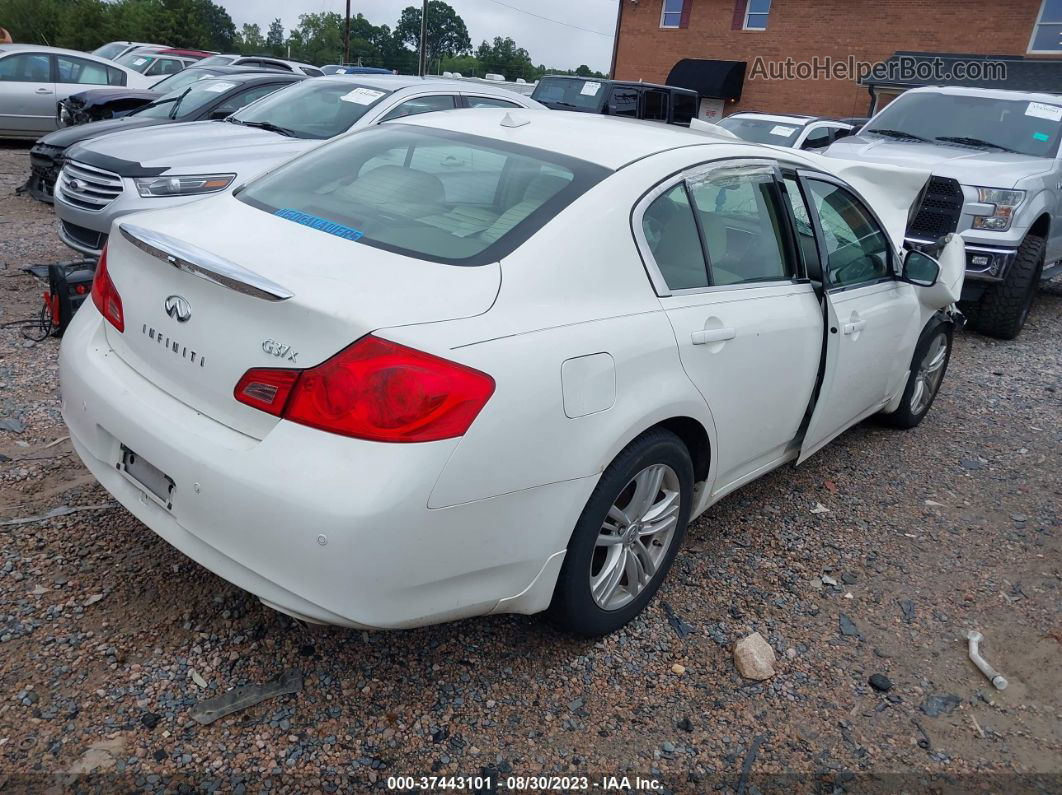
<point>719,36</point>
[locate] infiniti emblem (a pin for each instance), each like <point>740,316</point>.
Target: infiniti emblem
<point>178,308</point>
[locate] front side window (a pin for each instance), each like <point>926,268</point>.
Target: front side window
<point>313,108</point>
<point>1047,34</point>
<point>741,223</point>
<point>26,68</point>
<point>673,13</point>
<point>857,250</point>
<point>817,139</point>
<point>414,107</point>
<point>756,14</point>
<point>623,102</point>
<point>426,193</point>
<point>671,232</point>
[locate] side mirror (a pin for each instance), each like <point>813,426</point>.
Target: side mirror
<point>920,269</point>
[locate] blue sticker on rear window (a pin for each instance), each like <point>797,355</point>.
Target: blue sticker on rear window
<point>320,224</point>
<point>1042,137</point>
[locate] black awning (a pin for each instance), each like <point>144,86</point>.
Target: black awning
<point>719,79</point>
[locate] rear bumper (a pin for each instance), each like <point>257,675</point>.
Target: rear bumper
<point>329,529</point>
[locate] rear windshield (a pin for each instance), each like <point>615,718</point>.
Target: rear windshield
<point>110,50</point>
<point>974,122</point>
<point>571,93</point>
<point>762,131</point>
<point>182,79</point>
<point>426,193</point>
<point>314,109</point>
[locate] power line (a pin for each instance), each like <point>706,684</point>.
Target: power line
<point>550,19</point>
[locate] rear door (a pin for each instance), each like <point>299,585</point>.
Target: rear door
<point>719,250</point>
<point>75,74</point>
<point>869,311</point>
<point>27,94</point>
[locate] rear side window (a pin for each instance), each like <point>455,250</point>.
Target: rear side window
<point>430,194</point>
<point>413,107</point>
<point>742,225</point>
<point>489,102</point>
<point>685,108</point>
<point>671,232</point>
<point>78,70</point>
<point>656,105</point>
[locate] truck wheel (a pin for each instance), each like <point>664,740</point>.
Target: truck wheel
<point>627,537</point>
<point>928,366</point>
<point>1005,307</point>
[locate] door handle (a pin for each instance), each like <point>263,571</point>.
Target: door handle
<point>854,326</point>
<point>708,335</point>
<point>43,91</point>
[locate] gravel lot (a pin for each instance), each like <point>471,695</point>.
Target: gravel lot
<point>108,637</point>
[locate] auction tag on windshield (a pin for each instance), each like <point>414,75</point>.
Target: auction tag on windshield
<point>1042,111</point>
<point>362,96</point>
<point>783,131</point>
<point>590,89</point>
<point>219,88</point>
<point>139,61</point>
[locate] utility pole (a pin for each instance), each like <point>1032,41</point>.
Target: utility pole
<point>346,37</point>
<point>423,66</point>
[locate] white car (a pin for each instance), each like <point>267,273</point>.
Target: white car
<point>34,78</point>
<point>493,362</point>
<point>791,130</point>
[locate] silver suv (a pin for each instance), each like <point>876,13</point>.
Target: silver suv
<point>997,181</point>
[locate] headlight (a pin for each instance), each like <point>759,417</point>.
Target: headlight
<point>153,187</point>
<point>1004,203</point>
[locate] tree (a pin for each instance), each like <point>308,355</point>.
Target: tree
<point>274,40</point>
<point>505,58</point>
<point>249,40</point>
<point>447,33</point>
<point>319,38</point>
<point>584,71</point>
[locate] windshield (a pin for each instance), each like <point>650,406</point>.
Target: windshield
<point>761,131</point>
<point>136,61</point>
<point>314,108</point>
<point>979,122</point>
<point>431,194</point>
<point>110,50</point>
<point>570,93</point>
<point>182,79</point>
<point>183,102</point>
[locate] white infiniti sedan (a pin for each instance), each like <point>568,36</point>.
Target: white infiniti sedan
<point>487,361</point>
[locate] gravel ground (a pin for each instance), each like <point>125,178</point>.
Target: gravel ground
<point>109,637</point>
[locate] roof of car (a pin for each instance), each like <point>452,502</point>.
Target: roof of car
<point>787,118</point>
<point>994,93</point>
<point>254,76</point>
<point>637,83</point>
<point>44,48</point>
<point>604,140</point>
<point>399,82</point>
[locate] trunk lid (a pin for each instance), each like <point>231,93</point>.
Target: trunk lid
<point>235,313</point>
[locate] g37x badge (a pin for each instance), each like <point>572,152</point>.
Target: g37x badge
<point>281,351</point>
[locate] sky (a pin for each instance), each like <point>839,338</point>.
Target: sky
<point>549,43</point>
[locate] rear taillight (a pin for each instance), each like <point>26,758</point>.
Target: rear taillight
<point>105,296</point>
<point>376,390</point>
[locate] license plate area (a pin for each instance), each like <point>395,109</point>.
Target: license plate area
<point>149,477</point>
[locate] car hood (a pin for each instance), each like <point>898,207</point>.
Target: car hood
<point>967,166</point>
<point>68,136</point>
<point>101,96</point>
<point>190,148</point>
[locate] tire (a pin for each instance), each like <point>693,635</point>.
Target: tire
<point>1005,307</point>
<point>575,606</point>
<point>914,405</point>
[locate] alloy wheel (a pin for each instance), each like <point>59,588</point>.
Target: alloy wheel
<point>930,373</point>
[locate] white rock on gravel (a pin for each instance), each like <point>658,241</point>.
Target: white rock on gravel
<point>754,657</point>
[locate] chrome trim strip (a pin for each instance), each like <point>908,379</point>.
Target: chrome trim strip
<point>203,264</point>
<point>988,250</point>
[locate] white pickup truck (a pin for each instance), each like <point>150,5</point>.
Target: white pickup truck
<point>997,181</point>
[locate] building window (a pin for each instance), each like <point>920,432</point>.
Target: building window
<point>756,14</point>
<point>675,14</point>
<point>1047,35</point>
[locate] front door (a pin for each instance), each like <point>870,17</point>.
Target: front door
<point>27,94</point>
<point>868,310</point>
<point>749,331</point>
